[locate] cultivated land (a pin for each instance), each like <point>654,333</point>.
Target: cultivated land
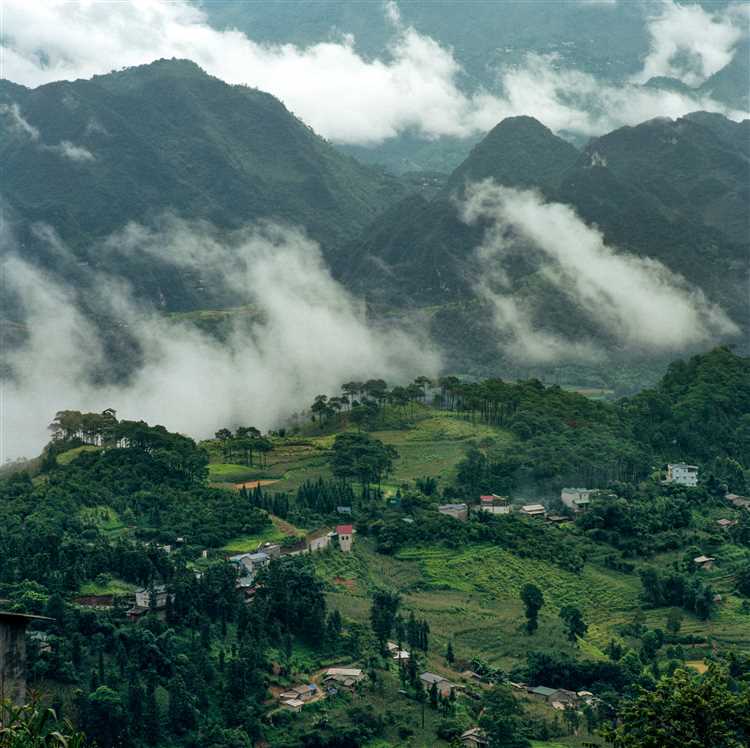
<point>430,442</point>
<point>472,594</point>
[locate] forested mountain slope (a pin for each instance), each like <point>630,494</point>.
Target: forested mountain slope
<point>87,157</point>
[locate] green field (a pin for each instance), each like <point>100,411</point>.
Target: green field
<point>112,586</point>
<point>471,596</point>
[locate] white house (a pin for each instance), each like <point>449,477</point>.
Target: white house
<point>533,510</point>
<point>682,474</point>
<point>345,534</point>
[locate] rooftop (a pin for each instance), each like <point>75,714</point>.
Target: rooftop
<point>344,529</point>
<point>432,678</point>
<point>543,690</point>
<point>454,507</point>
<point>703,559</point>
<point>9,616</point>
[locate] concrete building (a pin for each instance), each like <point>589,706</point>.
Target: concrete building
<point>345,534</point>
<point>682,474</point>
<point>457,511</point>
<point>143,597</point>
<point>576,499</point>
<point>13,655</point>
<point>533,510</point>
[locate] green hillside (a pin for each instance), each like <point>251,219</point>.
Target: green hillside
<point>121,505</point>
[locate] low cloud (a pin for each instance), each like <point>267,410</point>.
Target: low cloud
<point>306,336</point>
<point>71,151</point>
<point>691,43</point>
<point>16,122</point>
<point>637,301</point>
<point>413,86</point>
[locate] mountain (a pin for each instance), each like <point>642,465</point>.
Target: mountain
<point>90,155</point>
<point>520,151</point>
<point>730,84</point>
<point>671,190</point>
<point>419,251</point>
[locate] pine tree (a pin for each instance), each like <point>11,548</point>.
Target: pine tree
<point>449,656</point>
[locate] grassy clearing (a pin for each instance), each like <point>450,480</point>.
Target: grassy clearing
<point>275,533</point>
<point>227,472</point>
<point>65,458</point>
<point>104,518</point>
<point>113,586</point>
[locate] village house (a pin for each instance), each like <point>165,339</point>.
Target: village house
<point>396,653</point>
<point>557,519</point>
<point>443,685</point>
<point>345,535</point>
<point>494,504</point>
<point>344,510</point>
<point>293,705</point>
<point>272,550</point>
<point>682,474</point>
<point>457,511</point>
<point>143,602</point>
<point>475,737</point>
<point>576,499</point>
<point>741,502</point>
<point>533,510</point>
<point>13,655</point>
<point>343,676</point>
<point>553,695</point>
<point>143,597</point>
<point>319,540</point>
<point>705,563</point>
<point>301,693</point>
<point>250,563</point>
<point>725,524</point>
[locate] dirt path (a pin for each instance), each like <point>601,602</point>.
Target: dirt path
<point>255,483</point>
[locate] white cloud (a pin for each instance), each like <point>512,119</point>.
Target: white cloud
<point>342,95</point>
<point>691,43</point>
<point>19,124</point>
<point>307,336</point>
<point>16,121</point>
<point>69,150</point>
<point>636,300</point>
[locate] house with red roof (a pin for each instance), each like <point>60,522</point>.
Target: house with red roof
<point>345,535</point>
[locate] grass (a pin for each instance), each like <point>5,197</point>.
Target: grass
<point>429,442</point>
<point>65,458</point>
<point>227,472</point>
<point>275,533</point>
<point>105,518</point>
<point>113,586</point>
